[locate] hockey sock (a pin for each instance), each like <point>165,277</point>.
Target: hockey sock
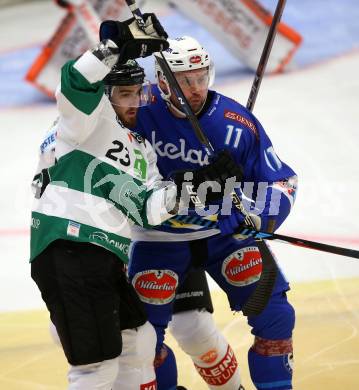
<point>198,336</point>
<point>219,368</point>
<point>166,369</point>
<point>270,369</point>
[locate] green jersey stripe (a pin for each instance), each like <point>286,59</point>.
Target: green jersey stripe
<point>83,172</point>
<point>46,229</point>
<point>81,93</point>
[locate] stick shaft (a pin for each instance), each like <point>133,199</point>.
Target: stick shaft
<point>337,250</point>
<point>265,55</point>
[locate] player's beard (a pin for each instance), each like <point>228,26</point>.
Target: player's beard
<point>129,119</point>
<point>196,103</point>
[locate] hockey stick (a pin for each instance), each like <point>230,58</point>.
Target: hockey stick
<point>244,232</point>
<point>265,55</point>
<point>337,250</point>
<point>260,297</point>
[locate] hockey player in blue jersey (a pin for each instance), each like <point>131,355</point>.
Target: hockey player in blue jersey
<point>162,257</point>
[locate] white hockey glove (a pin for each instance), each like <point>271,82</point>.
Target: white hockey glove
<point>107,52</point>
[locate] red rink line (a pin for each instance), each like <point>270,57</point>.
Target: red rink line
<point>340,240</point>
<point>14,232</point>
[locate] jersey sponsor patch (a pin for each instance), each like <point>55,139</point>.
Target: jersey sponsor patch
<point>156,287</point>
<point>73,229</point>
<point>180,151</point>
<point>243,267</point>
<point>220,373</point>
<point>48,143</point>
<point>241,119</point>
<point>99,236</point>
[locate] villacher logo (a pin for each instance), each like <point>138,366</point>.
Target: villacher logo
<point>243,267</point>
<point>156,287</point>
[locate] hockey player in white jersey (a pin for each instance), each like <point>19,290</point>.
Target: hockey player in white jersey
<point>103,180</point>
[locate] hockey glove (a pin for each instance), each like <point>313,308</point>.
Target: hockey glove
<point>209,182</point>
<point>131,40</point>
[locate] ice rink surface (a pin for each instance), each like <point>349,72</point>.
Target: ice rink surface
<point>311,114</point>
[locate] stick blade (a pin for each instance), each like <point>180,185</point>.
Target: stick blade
<point>259,299</point>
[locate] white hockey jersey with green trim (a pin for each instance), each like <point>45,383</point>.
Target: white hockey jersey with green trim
<point>101,178</point>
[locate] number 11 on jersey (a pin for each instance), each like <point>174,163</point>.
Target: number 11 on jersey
<point>233,136</point>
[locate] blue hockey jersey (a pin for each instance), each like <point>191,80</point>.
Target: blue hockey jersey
<point>228,125</point>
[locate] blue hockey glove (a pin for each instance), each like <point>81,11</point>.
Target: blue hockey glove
<point>131,40</point>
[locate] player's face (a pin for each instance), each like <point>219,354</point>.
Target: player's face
<point>125,101</point>
<point>194,84</point>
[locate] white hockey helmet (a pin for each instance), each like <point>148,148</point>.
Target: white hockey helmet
<point>184,54</point>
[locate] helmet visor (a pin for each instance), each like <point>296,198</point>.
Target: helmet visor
<point>197,79</point>
<point>131,95</point>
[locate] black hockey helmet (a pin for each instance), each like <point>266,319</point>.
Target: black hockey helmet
<point>130,73</point>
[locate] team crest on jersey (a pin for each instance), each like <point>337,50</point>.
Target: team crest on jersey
<point>157,287</point>
<point>241,119</point>
<point>243,267</point>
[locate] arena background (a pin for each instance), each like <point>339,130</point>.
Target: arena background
<point>311,114</point>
